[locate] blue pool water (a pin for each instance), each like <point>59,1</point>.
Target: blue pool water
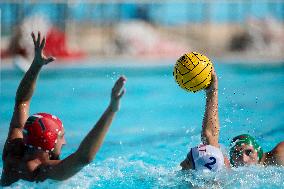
<point>157,123</point>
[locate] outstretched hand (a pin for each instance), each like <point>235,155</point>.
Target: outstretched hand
<point>39,44</point>
<point>117,92</point>
<point>214,82</point>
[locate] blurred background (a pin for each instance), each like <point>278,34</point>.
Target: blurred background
<point>96,41</point>
<point>234,30</point>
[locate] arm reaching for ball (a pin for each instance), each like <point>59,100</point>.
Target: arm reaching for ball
<point>210,125</point>
<point>62,170</point>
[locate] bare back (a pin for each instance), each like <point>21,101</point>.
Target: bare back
<point>15,166</point>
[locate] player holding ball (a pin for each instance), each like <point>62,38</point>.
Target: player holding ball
<point>191,73</point>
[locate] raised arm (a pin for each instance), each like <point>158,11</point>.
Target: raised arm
<point>26,89</point>
<point>210,125</point>
<point>90,144</point>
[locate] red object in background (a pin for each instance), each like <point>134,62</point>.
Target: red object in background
<point>56,46</point>
<point>6,53</point>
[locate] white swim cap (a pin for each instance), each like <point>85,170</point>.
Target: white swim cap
<point>207,158</point>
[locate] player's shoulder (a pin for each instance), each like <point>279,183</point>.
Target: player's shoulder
<point>13,148</point>
<point>7,180</point>
<point>45,170</point>
<point>279,148</point>
<point>276,155</point>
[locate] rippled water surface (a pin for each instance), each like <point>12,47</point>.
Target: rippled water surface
<point>157,124</point>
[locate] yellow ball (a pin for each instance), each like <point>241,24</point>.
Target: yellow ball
<point>192,71</point>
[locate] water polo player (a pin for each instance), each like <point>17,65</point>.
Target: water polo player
<point>34,143</point>
<point>204,158</point>
<point>244,150</point>
<point>208,156</point>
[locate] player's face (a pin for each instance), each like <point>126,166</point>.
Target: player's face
<point>187,163</point>
<point>244,155</point>
<point>58,146</point>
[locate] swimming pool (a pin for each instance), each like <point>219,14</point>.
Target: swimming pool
<point>157,123</point>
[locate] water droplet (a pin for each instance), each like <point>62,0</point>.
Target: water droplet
<point>228,120</point>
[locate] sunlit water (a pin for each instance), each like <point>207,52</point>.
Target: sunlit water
<point>157,123</point>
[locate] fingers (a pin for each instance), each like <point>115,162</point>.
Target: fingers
<point>122,93</point>
<point>38,43</point>
<point>214,75</point>
<point>42,43</point>
<point>33,36</point>
<point>213,71</point>
<point>214,82</point>
<point>118,86</point>
<point>121,80</point>
<point>50,59</point>
<point>119,83</point>
<point>117,93</point>
<point>38,39</point>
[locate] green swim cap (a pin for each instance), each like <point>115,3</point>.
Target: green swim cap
<point>245,139</point>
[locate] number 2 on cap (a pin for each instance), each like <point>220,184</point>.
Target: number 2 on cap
<point>208,165</point>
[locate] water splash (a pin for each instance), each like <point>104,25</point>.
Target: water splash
<point>125,173</point>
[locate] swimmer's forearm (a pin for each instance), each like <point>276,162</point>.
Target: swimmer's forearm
<point>26,89</point>
<point>93,141</point>
<point>22,104</point>
<point>27,85</point>
<point>86,151</point>
<point>210,131</point>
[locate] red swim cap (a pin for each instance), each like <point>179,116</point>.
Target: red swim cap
<point>41,131</point>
